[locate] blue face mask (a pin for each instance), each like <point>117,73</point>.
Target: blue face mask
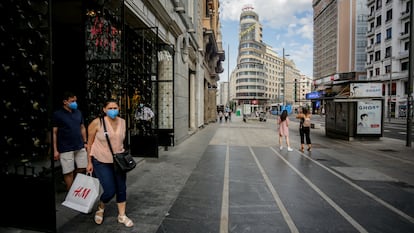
<point>73,105</point>
<point>141,105</point>
<point>112,113</point>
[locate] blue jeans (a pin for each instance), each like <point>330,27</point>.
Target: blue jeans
<point>112,182</point>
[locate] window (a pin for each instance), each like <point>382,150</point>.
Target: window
<point>377,71</point>
<point>379,21</point>
<point>406,27</point>
<point>389,34</point>
<point>389,15</point>
<point>404,66</point>
<point>378,40</point>
<point>379,4</point>
<point>377,55</point>
<point>371,73</point>
<point>388,69</point>
<point>407,46</point>
<point>388,52</point>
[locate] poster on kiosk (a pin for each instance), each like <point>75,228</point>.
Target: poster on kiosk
<point>369,117</point>
<point>369,111</point>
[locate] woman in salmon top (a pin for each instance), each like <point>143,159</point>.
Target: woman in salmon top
<point>100,160</point>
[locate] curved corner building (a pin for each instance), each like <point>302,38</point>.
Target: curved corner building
<point>250,73</point>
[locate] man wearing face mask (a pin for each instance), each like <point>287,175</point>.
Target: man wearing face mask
<point>69,138</point>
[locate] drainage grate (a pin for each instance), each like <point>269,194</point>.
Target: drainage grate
<point>387,150</point>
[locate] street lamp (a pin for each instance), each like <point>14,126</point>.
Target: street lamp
<point>390,92</point>
<point>284,75</point>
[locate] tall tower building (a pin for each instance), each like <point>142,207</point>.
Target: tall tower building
<point>250,72</point>
<point>339,41</point>
<point>261,76</point>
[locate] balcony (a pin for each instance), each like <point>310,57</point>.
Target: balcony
<point>369,2</point>
<point>371,17</point>
<point>369,48</point>
<point>403,54</point>
<point>370,32</point>
<point>369,64</point>
<point>405,15</point>
<point>404,35</point>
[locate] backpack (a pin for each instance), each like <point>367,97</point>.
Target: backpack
<point>306,122</point>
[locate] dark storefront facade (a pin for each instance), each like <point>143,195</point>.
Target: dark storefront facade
<point>96,49</point>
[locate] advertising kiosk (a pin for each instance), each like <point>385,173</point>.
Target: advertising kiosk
<point>356,113</point>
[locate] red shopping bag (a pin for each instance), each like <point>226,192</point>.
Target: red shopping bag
<point>83,194</point>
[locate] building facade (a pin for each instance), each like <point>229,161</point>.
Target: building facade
<point>388,39</point>
<point>340,28</point>
<point>339,42</point>
<point>164,54</point>
<point>261,77</point>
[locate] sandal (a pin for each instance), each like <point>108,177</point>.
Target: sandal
<point>125,220</point>
<point>99,216</point>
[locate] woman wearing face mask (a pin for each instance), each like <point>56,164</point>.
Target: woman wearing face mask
<point>100,160</point>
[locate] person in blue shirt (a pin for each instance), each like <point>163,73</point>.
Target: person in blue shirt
<point>69,139</point>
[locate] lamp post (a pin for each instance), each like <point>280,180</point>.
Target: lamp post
<point>390,92</point>
<point>409,109</point>
<point>284,75</point>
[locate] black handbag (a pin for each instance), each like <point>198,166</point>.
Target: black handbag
<point>123,161</point>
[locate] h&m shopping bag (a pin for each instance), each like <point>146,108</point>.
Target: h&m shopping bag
<point>83,194</point>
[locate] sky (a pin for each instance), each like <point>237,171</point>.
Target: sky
<point>286,24</point>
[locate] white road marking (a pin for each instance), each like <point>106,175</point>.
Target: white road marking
<point>374,197</point>
<point>342,212</point>
<point>276,197</point>
<point>379,154</point>
<point>224,219</point>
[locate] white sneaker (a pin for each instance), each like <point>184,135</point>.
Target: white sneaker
<point>290,149</point>
<point>281,148</point>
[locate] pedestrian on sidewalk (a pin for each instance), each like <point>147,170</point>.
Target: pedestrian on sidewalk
<point>100,160</point>
<point>69,139</point>
<point>220,115</point>
<point>304,128</point>
<point>283,122</point>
